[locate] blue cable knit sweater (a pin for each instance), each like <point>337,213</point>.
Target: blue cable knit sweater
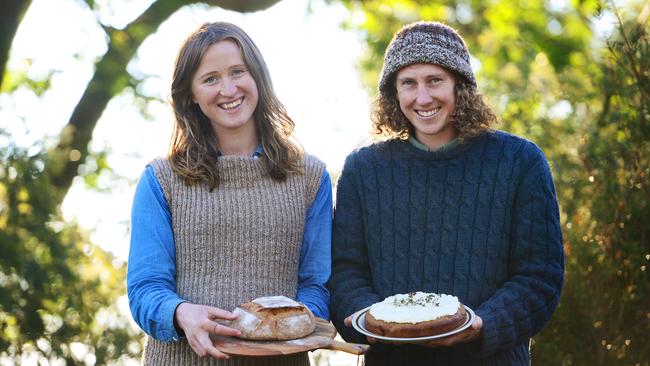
<point>478,220</point>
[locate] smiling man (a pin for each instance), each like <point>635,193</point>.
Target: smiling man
<point>447,205</point>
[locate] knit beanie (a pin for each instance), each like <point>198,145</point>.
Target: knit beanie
<point>426,42</point>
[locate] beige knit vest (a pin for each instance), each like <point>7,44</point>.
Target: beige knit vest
<point>236,243</point>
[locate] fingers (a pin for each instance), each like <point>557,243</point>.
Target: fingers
<point>204,347</point>
<point>348,321</point>
<point>223,330</point>
<point>198,321</point>
<point>477,324</point>
<point>216,313</point>
<point>215,353</point>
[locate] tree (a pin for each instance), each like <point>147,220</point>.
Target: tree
<point>55,283</point>
<point>9,19</point>
<point>607,296</point>
<point>58,290</point>
<point>586,103</point>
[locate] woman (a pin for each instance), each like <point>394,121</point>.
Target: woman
<point>447,205</point>
<point>236,210</point>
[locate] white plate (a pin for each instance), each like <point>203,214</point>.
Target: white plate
<point>359,323</point>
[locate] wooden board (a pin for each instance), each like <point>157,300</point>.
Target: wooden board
<point>322,337</point>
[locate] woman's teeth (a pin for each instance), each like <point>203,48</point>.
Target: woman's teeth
<point>232,105</point>
<point>428,113</point>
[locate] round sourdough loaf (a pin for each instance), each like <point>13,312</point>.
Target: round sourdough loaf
<point>273,318</point>
<point>415,315</point>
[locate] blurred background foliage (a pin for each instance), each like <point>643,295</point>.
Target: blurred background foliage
<point>574,77</point>
<point>58,291</point>
<point>555,71</point>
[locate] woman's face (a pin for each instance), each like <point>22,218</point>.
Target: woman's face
<point>224,89</point>
<point>426,96</point>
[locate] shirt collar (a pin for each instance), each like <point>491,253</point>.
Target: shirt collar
<point>259,152</point>
<point>424,147</point>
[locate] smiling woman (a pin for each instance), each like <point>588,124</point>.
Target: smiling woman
<point>479,203</point>
<point>235,212</point>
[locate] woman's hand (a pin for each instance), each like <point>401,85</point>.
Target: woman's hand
<point>198,321</point>
<point>468,335</point>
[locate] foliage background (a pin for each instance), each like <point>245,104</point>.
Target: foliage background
<point>551,71</point>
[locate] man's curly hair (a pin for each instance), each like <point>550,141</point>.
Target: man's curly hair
<point>471,117</point>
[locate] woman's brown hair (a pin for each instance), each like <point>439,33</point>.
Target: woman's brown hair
<point>472,115</point>
<point>193,148</point>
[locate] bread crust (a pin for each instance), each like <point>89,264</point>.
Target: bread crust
<point>256,322</point>
<point>415,330</point>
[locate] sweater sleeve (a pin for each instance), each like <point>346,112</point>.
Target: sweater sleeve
<point>525,303</point>
<point>350,285</point>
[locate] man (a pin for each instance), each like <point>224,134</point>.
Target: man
<point>448,205</point>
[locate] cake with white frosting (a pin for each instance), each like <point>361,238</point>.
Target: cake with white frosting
<point>416,314</point>
<point>273,318</point>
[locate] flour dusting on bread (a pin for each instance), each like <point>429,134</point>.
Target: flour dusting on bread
<point>273,318</point>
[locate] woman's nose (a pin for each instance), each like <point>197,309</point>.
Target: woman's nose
<point>423,97</point>
<point>228,88</point>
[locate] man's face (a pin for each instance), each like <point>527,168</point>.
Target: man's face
<point>426,96</point>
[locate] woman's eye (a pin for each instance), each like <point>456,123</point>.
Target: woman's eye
<point>238,72</point>
<point>210,80</point>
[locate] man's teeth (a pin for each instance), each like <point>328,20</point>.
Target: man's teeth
<point>428,113</point>
<point>232,105</point>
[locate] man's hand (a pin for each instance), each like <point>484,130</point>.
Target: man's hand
<point>198,321</point>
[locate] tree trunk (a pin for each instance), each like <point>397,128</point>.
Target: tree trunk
<point>10,17</point>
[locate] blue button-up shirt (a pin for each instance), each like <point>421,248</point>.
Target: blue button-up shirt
<point>151,275</point>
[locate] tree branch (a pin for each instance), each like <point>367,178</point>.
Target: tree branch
<point>10,16</point>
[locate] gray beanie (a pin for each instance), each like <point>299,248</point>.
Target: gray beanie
<point>426,42</point>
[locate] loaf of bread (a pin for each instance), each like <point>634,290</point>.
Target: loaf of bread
<point>415,315</point>
<point>273,318</point>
